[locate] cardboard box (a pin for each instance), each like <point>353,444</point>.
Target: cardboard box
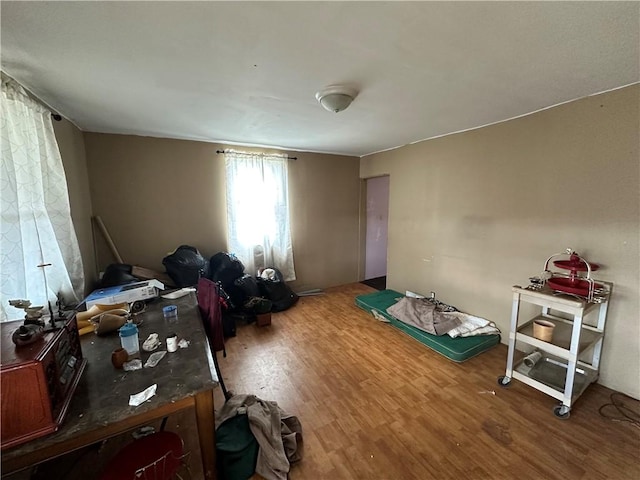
<point>263,319</point>
<point>125,293</point>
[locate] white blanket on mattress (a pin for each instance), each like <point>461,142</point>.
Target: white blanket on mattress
<point>424,315</point>
<point>472,326</point>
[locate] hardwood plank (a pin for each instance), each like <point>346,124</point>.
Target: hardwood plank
<point>375,403</point>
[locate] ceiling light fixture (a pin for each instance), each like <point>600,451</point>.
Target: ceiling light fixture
<point>336,98</point>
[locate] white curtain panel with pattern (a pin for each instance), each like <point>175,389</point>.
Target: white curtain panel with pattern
<point>259,232</point>
<point>35,223</point>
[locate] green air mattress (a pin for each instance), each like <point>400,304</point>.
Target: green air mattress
<point>457,349</point>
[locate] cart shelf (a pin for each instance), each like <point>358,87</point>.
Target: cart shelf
<point>562,335</point>
<point>569,363</point>
<point>549,376</point>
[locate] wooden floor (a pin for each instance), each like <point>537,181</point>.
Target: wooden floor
<point>376,404</point>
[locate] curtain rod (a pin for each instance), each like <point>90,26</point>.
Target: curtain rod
<point>249,153</point>
<point>9,79</point>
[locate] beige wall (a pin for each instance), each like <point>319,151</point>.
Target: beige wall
<point>155,194</point>
<point>71,145</point>
<point>474,213</point>
<point>324,216</point>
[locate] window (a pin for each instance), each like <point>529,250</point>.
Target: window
<point>35,217</point>
<point>259,232</point>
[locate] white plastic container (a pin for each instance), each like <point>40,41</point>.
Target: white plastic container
<point>172,342</point>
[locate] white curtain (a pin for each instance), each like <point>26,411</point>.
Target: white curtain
<point>258,227</point>
<point>35,218</point>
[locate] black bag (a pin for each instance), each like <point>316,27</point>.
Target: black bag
<point>242,289</point>
<point>185,266</point>
<point>280,294</point>
<point>258,305</point>
<point>225,268</point>
<point>228,324</point>
<point>248,285</point>
<point>117,274</point>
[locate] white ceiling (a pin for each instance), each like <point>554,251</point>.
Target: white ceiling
<point>247,72</point>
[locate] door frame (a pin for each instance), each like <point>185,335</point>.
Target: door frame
<point>362,230</point>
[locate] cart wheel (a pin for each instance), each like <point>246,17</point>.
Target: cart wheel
<point>562,412</point>
<point>504,381</point>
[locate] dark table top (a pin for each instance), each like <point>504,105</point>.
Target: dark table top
<point>102,396</point>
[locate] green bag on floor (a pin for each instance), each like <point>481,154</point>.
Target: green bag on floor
<point>236,448</point>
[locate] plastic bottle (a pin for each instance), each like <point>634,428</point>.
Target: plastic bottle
<point>172,342</point>
<point>129,338</point>
<point>170,313</point>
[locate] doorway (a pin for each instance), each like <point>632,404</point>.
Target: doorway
<point>377,221</point>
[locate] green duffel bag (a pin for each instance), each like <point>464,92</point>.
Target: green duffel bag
<point>237,449</point>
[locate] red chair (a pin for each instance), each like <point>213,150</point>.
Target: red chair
<point>210,310</point>
<point>155,457</point>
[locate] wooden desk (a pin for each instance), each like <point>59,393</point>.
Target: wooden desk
<point>100,407</point>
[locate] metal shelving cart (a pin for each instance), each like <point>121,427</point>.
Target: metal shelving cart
<point>569,362</point>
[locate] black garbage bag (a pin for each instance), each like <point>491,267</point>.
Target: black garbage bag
<point>275,289</point>
<point>225,268</point>
<point>248,285</point>
<point>241,289</point>
<point>185,266</point>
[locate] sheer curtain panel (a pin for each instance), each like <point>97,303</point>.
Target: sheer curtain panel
<point>259,232</point>
<point>35,217</point>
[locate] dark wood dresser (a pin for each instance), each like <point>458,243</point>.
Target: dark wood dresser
<point>38,381</point>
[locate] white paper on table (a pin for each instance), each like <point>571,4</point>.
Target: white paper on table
<point>139,398</point>
<point>178,293</point>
